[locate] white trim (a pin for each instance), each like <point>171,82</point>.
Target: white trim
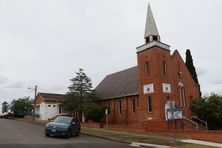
<point>151,44</point>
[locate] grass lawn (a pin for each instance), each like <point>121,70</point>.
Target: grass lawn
<point>124,137</point>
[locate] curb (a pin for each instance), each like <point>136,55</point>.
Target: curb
<point>137,144</point>
<point>206,143</point>
<point>107,138</point>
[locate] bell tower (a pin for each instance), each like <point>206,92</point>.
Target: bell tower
<point>154,72</point>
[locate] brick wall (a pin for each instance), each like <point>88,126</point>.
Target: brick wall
<point>127,116</point>
<point>155,56</point>
<point>39,99</point>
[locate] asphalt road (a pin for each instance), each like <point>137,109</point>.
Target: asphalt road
<point>17,134</point>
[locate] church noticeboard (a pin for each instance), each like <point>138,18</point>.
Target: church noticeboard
<point>174,114</point>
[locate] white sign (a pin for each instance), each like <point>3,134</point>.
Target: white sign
<point>166,88</point>
<point>174,114</point>
<point>168,105</point>
<point>106,112</point>
<point>147,89</point>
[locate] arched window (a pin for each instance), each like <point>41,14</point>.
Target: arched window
<point>147,68</point>
<point>120,106</point>
<point>164,68</point>
<point>149,104</point>
<point>133,105</point>
<point>182,94</point>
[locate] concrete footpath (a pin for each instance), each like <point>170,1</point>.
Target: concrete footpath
<point>183,140</point>
<point>214,144</point>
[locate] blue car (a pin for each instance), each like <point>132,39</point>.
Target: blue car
<point>63,126</point>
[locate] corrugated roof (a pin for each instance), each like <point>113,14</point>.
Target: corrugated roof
<point>123,83</point>
<point>52,96</point>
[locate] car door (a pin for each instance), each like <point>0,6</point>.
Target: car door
<point>75,125</point>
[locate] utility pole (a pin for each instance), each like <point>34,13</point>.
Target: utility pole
<point>33,114</point>
<point>35,89</point>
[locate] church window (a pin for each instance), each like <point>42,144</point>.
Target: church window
<point>164,68</point>
<point>149,104</point>
<point>147,68</point>
<point>120,106</point>
<point>107,104</point>
<point>133,105</point>
<point>182,95</point>
<point>60,109</point>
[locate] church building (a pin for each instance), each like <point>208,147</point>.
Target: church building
<point>160,88</point>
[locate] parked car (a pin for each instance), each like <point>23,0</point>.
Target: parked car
<point>63,126</point>
<point>7,115</point>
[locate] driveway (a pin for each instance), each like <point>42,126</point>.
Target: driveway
<point>15,134</point>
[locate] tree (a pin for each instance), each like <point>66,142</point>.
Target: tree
<point>79,93</point>
<point>22,106</point>
<point>94,112</point>
<point>5,107</point>
<point>190,66</point>
<point>71,104</point>
<point>209,109</point>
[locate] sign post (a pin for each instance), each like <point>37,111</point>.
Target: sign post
<point>106,113</point>
<point>174,114</point>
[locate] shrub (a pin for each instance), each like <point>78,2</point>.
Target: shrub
<point>209,109</point>
<point>94,112</point>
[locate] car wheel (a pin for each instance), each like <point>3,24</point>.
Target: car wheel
<point>68,134</point>
<point>47,135</point>
<point>78,132</point>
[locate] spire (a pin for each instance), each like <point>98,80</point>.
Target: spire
<point>152,37</point>
<point>151,32</point>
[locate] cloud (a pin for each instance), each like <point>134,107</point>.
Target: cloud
<point>216,82</point>
<point>3,80</point>
<point>15,85</point>
<point>201,71</point>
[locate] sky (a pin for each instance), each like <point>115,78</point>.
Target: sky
<point>44,42</point>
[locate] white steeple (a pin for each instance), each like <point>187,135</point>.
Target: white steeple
<point>151,32</point>
<point>152,37</point>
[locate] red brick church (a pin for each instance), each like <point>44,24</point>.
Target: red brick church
<point>148,92</point>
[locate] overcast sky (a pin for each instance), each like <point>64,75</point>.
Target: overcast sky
<point>44,42</point>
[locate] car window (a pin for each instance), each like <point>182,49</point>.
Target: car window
<point>63,119</point>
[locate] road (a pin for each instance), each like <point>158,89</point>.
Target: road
<point>17,134</point>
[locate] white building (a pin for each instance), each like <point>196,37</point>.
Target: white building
<point>48,106</point>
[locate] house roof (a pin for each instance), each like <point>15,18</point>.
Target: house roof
<point>51,96</point>
<point>119,84</point>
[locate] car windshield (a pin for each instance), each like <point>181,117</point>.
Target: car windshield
<point>63,119</point>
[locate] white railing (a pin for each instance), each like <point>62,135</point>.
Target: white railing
<point>191,122</point>
<point>204,123</point>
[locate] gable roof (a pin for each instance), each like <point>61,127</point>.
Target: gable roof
<point>52,96</point>
<point>119,84</point>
